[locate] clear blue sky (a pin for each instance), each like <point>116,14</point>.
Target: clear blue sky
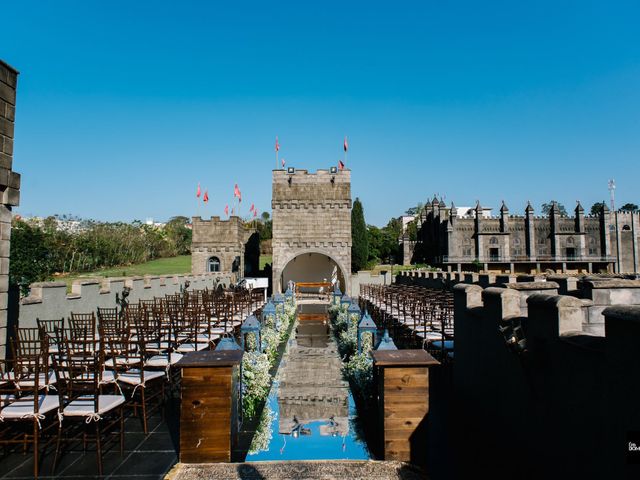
<point>123,107</point>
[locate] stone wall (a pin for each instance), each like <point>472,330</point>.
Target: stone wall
<point>223,239</point>
<point>49,300</point>
<point>560,409</point>
<point>527,243</point>
<point>9,186</point>
<point>365,277</point>
<point>311,214</point>
<point>595,292</point>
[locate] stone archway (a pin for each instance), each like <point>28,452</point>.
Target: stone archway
<point>311,214</point>
<point>312,265</point>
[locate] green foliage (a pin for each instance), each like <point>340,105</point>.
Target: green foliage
<point>359,238</point>
<point>383,242</point>
<point>38,251</point>
<point>264,226</point>
<point>412,230</point>
<point>178,236</point>
<point>30,257</point>
<point>415,210</point>
<point>546,208</point>
<point>596,208</point>
<point>629,207</point>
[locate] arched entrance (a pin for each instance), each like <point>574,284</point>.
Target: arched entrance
<point>312,267</point>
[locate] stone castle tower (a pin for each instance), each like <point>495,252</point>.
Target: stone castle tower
<point>311,227</point>
<point>221,246</point>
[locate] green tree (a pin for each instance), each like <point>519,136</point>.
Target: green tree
<point>629,207</point>
<point>178,236</point>
<point>374,235</point>
<point>30,260</point>
<point>546,208</point>
<point>596,208</point>
<point>359,238</point>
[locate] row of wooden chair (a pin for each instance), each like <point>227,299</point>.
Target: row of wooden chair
<point>79,374</point>
<point>426,314</point>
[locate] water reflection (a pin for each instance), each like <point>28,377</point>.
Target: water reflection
<point>309,406</point>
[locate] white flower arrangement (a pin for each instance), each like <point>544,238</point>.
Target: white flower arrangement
<point>357,367</point>
<point>256,380</point>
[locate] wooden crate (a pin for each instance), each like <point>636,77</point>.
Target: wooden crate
<point>210,396</point>
<point>402,378</point>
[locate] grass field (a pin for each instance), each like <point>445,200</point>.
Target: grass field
<point>264,259</point>
<point>161,266</point>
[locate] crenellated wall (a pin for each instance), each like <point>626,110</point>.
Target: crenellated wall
<point>529,243</point>
<point>595,292</point>
<point>49,300</point>
<point>562,408</point>
<point>311,214</point>
<point>223,239</point>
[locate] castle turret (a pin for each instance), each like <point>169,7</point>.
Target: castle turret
<point>504,218</point>
<point>579,218</point>
<point>478,229</point>
<point>530,232</point>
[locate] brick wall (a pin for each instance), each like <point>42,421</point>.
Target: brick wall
<point>9,185</point>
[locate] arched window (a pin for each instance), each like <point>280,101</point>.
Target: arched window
<point>570,241</point>
<point>493,241</point>
<point>626,228</point>
<point>235,267</point>
<point>214,264</point>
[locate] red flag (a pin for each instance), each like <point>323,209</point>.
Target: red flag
<point>198,191</point>
<point>252,208</point>
<point>255,213</point>
<point>340,165</point>
<point>236,192</point>
<point>205,199</point>
<point>283,162</point>
<point>226,210</point>
<point>277,145</point>
<point>346,145</point>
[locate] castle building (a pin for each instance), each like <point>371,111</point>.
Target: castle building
<point>607,242</point>
<point>226,246</point>
<point>311,227</point>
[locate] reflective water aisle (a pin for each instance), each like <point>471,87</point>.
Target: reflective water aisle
<point>310,413</point>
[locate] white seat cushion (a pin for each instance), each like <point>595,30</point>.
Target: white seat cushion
<point>24,407</point>
<point>430,335</point>
<point>84,406</point>
<point>43,379</point>
<point>192,347</point>
<point>132,377</point>
<point>122,361</point>
<point>162,360</point>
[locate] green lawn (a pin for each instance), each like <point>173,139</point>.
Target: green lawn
<point>264,259</point>
<point>161,266</point>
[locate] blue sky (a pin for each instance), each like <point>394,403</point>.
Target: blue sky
<point>123,107</point>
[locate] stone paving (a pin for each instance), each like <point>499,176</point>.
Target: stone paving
<point>320,470</point>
